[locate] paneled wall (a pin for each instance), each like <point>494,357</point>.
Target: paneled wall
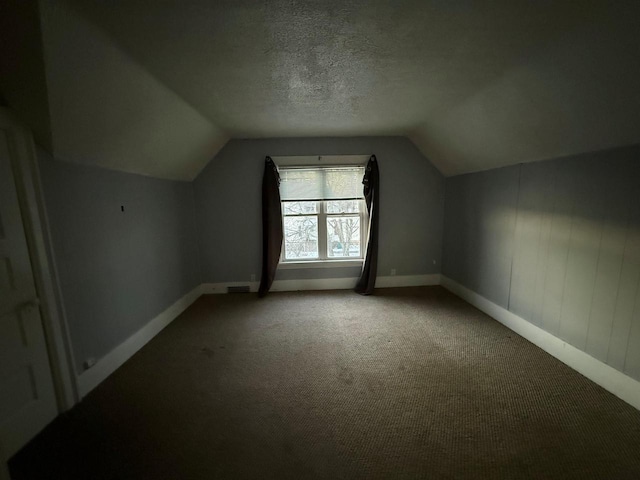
<point>557,243</point>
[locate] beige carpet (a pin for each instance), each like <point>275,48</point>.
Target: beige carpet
<point>410,383</point>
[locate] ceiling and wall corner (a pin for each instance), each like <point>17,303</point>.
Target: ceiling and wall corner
<point>575,94</point>
<point>157,88</point>
<point>109,111</point>
<point>22,73</point>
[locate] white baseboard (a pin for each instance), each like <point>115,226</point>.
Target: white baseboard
<point>327,283</point>
<point>609,378</point>
<point>108,364</point>
<point>90,379</point>
<point>408,281</point>
<point>314,284</point>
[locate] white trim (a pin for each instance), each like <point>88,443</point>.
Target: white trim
<point>320,264</point>
<point>284,285</point>
<point>323,216</point>
<point>319,160</point>
<point>326,283</point>
<point>314,284</point>
<point>221,287</point>
<point>28,186</point>
<point>91,378</point>
<point>408,281</point>
<point>609,378</point>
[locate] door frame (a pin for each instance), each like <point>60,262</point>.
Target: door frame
<point>32,206</point>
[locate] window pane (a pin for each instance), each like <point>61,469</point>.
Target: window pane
<point>343,236</point>
<point>343,182</point>
<point>299,208</point>
<point>300,238</point>
<point>343,206</point>
<point>321,183</point>
<point>300,184</point>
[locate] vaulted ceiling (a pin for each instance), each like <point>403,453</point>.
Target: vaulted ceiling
<point>158,87</point>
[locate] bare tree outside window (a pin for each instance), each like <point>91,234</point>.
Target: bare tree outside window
<point>301,237</point>
<point>344,236</point>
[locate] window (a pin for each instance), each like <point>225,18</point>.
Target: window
<point>323,213</point>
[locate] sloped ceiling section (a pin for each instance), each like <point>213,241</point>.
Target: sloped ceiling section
<point>107,110</point>
<point>158,87</point>
<point>474,84</point>
<point>577,93</point>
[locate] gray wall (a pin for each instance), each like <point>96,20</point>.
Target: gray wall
<point>117,269</point>
<point>557,243</point>
<point>229,217</point>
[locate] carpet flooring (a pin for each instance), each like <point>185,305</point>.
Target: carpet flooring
<point>409,383</point>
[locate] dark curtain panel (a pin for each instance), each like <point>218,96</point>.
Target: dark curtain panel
<point>271,225</point>
<point>371,183</point>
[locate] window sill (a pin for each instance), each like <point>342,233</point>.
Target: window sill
<point>320,264</point>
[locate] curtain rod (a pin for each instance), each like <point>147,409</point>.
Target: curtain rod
<point>300,160</point>
<point>318,167</point>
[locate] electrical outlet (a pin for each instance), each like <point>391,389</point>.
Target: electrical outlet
<point>434,262</point>
<point>393,272</point>
<point>253,277</point>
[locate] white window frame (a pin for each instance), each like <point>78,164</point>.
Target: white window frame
<point>323,260</point>
<point>323,247</point>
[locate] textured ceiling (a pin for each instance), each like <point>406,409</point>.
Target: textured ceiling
<point>158,87</point>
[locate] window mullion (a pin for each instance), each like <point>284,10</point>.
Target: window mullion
<point>322,231</point>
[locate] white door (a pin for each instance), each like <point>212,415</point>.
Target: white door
<point>27,398</point>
